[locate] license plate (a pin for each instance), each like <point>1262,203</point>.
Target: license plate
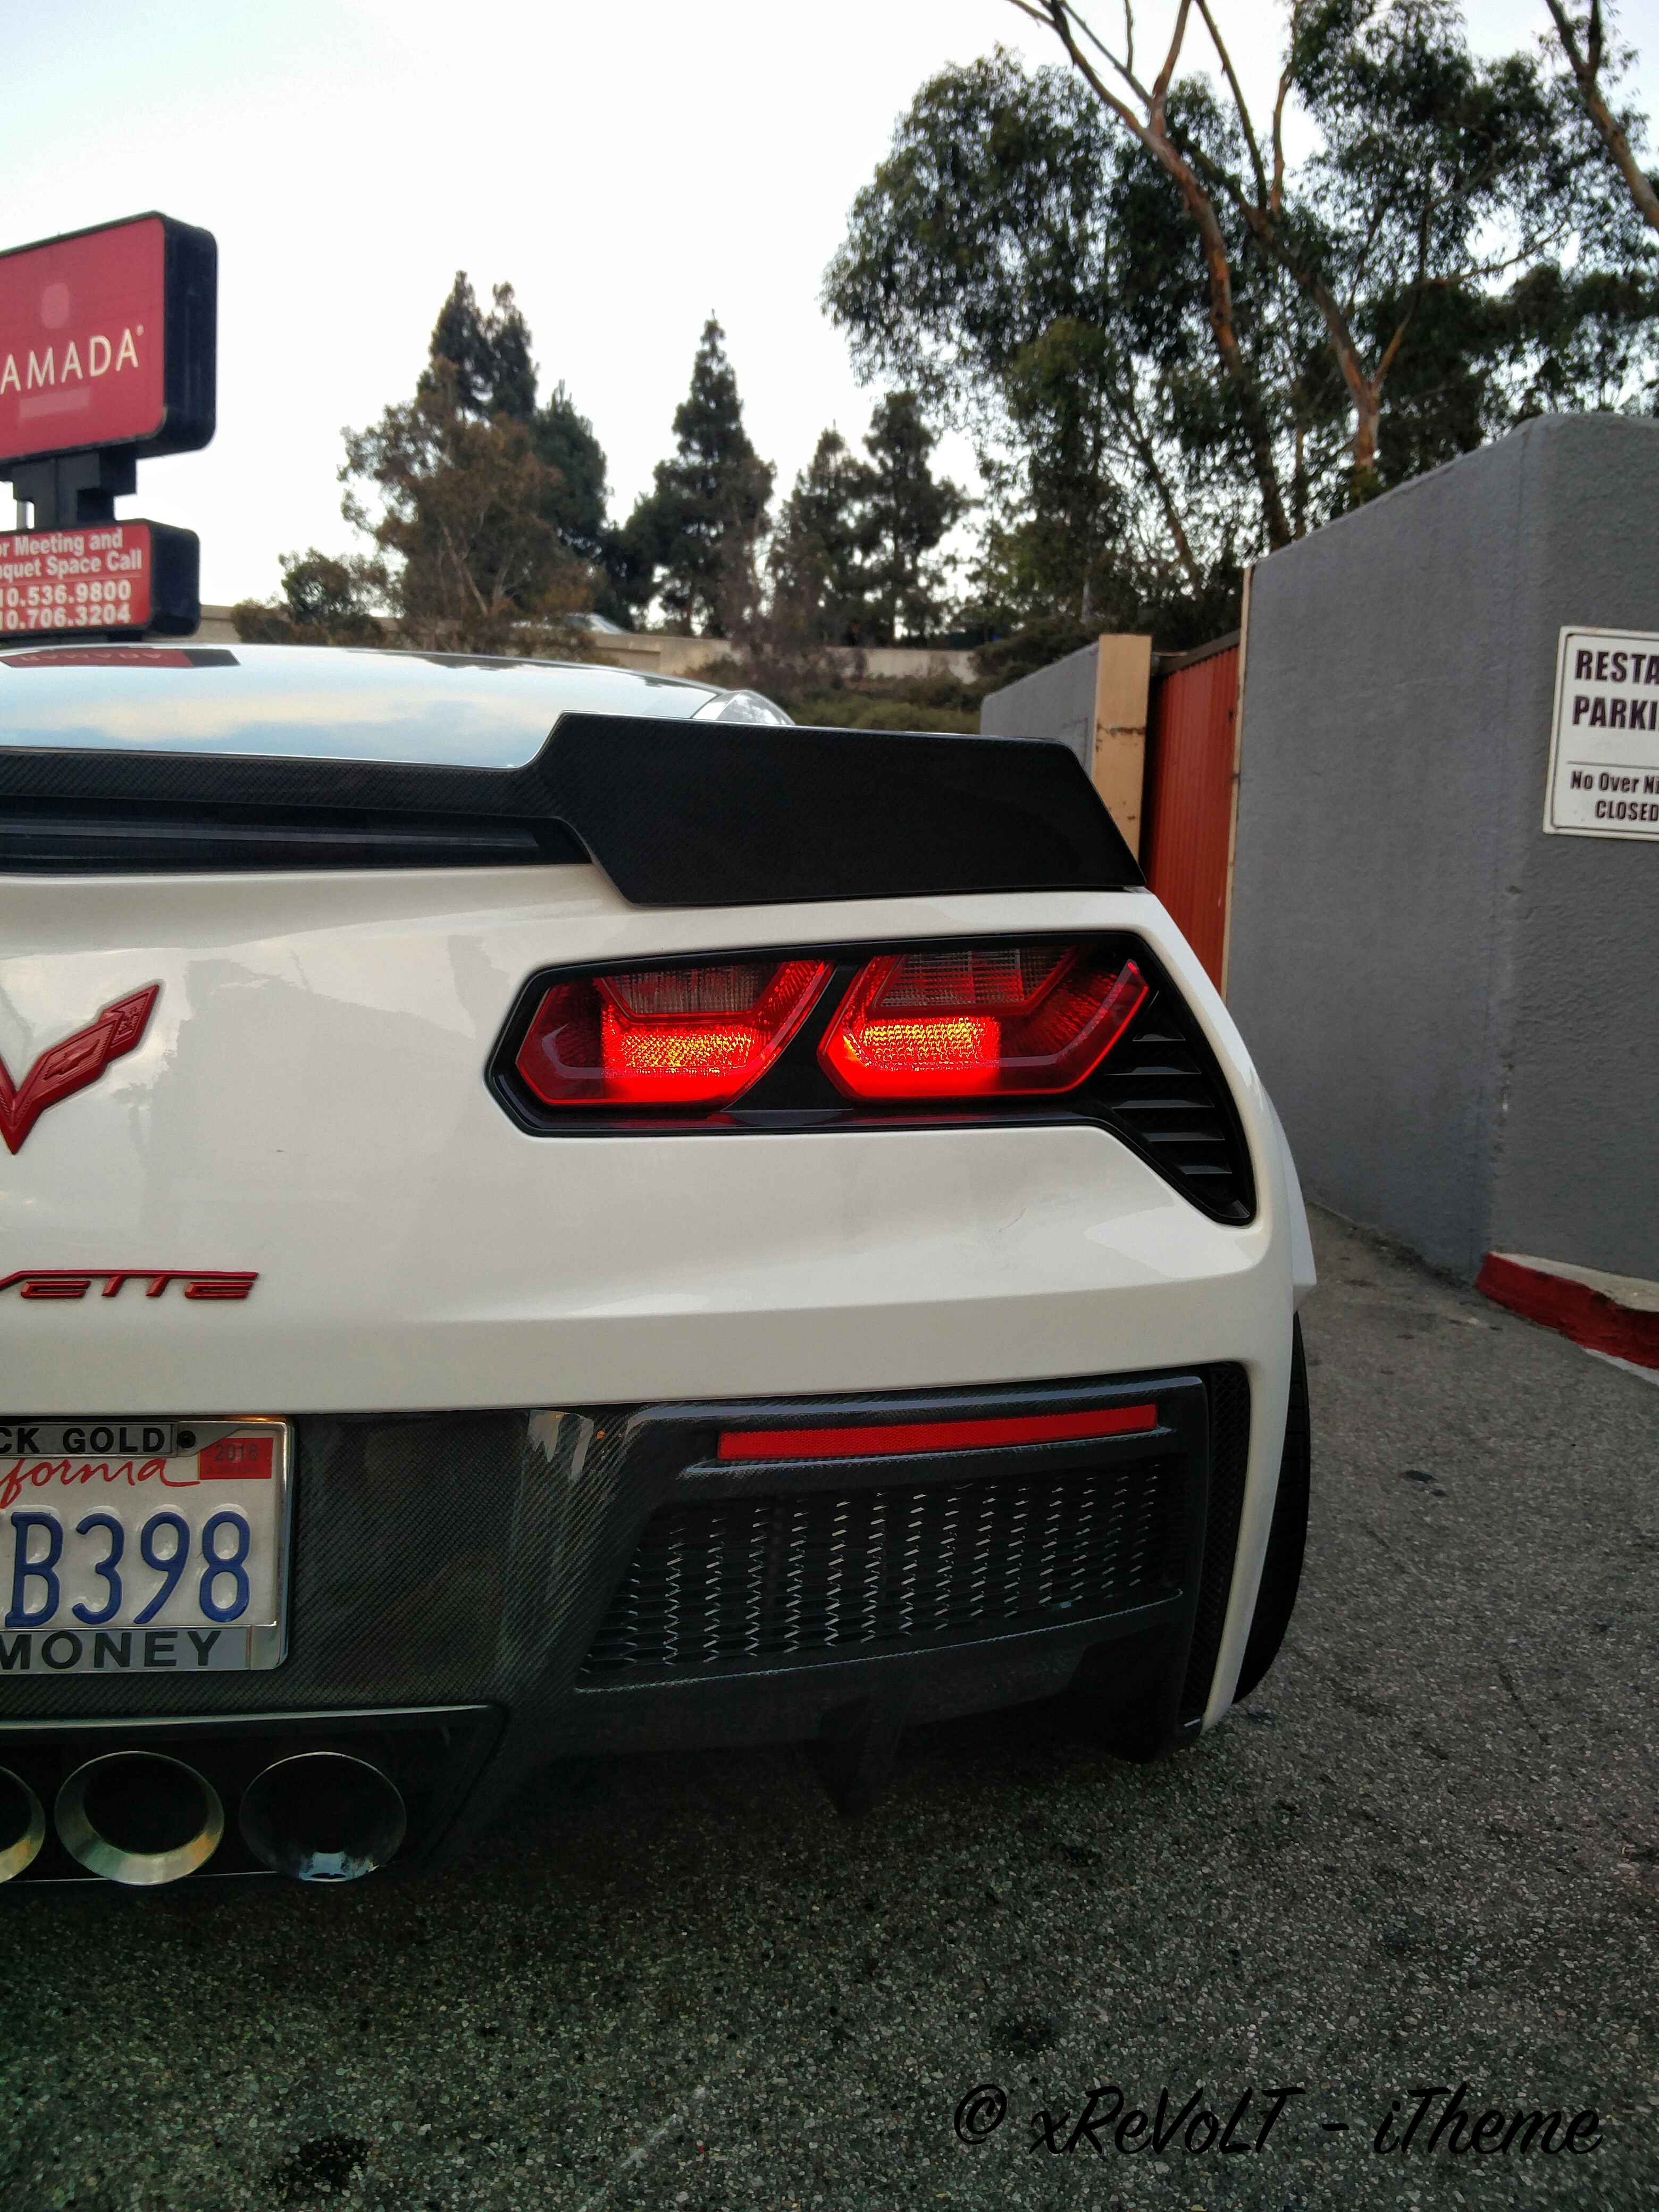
<point>142,1547</point>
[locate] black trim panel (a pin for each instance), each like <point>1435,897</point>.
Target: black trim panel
<point>1228,1389</point>
<point>675,813</point>
<point>38,838</point>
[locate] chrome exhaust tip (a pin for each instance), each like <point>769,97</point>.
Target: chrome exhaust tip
<point>323,1816</point>
<point>22,1825</point>
<point>140,1818</point>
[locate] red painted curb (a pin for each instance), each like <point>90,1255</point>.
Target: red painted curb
<point>1589,1316</point>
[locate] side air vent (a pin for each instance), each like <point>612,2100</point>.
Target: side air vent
<point>1162,1093</point>
<point>748,1581</point>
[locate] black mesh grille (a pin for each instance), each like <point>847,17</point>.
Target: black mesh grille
<point>732,1580</point>
<point>1161,1094</point>
<point>1230,1450</point>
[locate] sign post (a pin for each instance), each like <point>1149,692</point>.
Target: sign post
<point>108,355</point>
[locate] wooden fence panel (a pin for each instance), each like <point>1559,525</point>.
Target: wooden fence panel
<point>1188,834</point>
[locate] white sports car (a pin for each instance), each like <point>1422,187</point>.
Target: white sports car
<point>548,1210</point>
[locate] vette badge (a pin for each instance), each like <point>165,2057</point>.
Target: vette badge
<point>68,1066</point>
<point>76,1282</point>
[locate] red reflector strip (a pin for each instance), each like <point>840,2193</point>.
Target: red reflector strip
<point>869,1443</point>
<point>235,1459</point>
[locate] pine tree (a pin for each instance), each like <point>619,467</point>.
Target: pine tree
<point>489,354</point>
<point>576,504</point>
<point>458,337</point>
<point>906,514</point>
<point>701,525</point>
<point>817,580</point>
<point>564,441</point>
<point>513,373</point>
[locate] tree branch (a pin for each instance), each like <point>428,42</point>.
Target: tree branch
<point>1148,459</point>
<point>1270,239</point>
<point>1161,86</point>
<point>1058,21</point>
<point>1276,197</point>
<point>1384,210</point>
<point>1126,68</point>
<point>1245,125</point>
<point>1587,69</point>
<point>1397,340</point>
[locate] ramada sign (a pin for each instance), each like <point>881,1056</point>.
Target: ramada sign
<point>63,380</point>
<point>106,338</point>
<point>107,343</point>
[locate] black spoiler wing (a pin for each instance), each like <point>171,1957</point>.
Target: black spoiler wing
<point>676,813</point>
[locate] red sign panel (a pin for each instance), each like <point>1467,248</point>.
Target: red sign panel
<point>106,338</point>
<point>96,576</point>
<point>99,576</point>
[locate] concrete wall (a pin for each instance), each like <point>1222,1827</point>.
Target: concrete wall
<point>1057,703</point>
<point>216,627</point>
<point>1455,1013</point>
<point>659,652</point>
<point>1094,702</point>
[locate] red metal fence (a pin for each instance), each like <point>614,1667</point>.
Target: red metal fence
<point>1187,822</point>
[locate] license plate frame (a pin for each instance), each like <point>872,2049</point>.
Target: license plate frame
<point>193,1471</point>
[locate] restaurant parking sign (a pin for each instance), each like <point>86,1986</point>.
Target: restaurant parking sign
<point>1604,744</point>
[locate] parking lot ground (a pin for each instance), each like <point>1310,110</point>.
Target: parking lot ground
<point>1425,1854</point>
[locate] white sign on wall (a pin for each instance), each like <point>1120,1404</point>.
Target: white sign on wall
<point>1604,742</point>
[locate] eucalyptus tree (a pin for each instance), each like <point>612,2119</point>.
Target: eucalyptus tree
<point>1177,345</point>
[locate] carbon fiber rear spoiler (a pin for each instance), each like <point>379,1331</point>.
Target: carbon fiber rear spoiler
<point>676,813</point>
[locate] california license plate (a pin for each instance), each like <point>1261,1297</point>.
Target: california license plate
<point>142,1547</point>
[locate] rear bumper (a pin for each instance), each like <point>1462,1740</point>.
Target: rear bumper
<point>600,1580</point>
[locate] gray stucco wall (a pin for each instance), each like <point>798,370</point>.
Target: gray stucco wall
<point>1057,702</point>
<point>1455,1012</point>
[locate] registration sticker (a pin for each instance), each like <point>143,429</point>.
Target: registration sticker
<point>142,1547</point>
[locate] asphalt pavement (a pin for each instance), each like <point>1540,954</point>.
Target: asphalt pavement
<point>1424,1856</point>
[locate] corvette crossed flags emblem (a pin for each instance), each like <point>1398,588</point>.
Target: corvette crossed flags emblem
<point>71,1065</point>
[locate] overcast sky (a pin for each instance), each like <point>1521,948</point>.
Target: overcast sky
<point>627,167</point>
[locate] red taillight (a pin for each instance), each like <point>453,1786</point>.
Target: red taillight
<point>885,1441</point>
<point>945,1021</point>
<point>695,1035</point>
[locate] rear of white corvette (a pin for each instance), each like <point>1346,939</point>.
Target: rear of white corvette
<point>677,1230</point>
